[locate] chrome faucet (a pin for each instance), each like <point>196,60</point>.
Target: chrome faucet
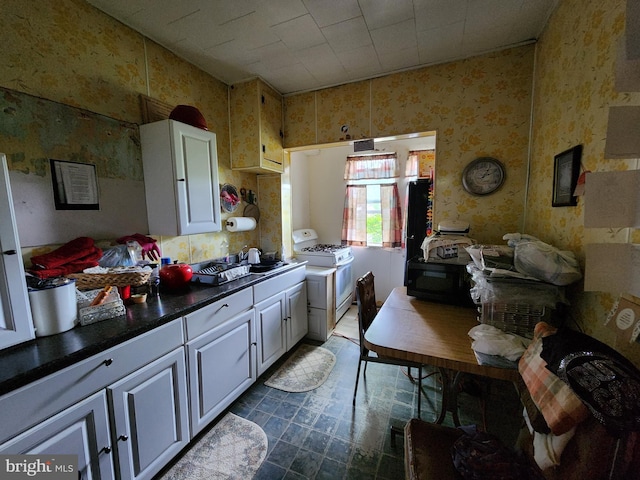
<point>242,255</point>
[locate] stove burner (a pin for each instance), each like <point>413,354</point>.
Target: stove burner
<point>324,247</point>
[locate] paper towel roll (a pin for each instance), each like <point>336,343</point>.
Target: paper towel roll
<point>241,224</point>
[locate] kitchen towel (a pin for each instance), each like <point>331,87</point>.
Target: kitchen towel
<point>67,253</point>
<point>241,224</point>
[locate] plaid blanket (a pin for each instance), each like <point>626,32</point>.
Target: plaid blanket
<point>560,407</point>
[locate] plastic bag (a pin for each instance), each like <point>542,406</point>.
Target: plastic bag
<point>543,261</point>
<point>118,256</point>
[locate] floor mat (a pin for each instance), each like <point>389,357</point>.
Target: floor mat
<point>233,449</point>
<point>306,369</point>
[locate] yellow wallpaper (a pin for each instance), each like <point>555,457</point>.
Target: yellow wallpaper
<point>479,106</point>
<point>270,203</point>
<point>574,89</point>
<point>70,52</point>
<point>347,105</point>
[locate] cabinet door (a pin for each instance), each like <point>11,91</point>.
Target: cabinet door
<point>81,430</point>
<point>222,365</point>
<point>180,165</point>
<point>297,320</point>
<point>271,130</point>
<point>15,313</point>
<point>197,190</point>
<point>272,338</point>
<point>149,416</point>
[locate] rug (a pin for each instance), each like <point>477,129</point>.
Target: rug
<point>307,368</point>
<point>233,449</point>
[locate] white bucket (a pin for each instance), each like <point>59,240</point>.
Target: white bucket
<point>54,309</point>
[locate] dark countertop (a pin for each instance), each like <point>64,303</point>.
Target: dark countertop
<point>32,360</point>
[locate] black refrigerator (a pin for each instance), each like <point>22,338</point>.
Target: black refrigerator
<point>419,216</point>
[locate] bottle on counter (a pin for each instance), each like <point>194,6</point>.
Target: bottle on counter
<point>154,280</point>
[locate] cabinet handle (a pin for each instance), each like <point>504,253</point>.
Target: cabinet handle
<point>255,344</point>
<point>106,449</point>
<point>9,252</point>
<point>123,437</point>
<point>108,362</point>
<point>181,180</point>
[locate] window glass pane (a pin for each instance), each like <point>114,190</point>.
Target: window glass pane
<point>374,216</point>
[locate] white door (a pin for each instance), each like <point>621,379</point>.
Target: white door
<point>272,334</point>
<point>16,325</point>
<point>81,430</point>
<point>150,418</point>
<point>297,320</point>
<point>222,365</point>
<point>197,190</point>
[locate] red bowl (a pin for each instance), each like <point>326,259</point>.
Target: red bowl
<point>189,115</point>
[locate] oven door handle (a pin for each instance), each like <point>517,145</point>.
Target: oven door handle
<point>345,262</point>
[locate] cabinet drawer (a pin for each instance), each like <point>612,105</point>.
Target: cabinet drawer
<point>278,284</point>
<point>43,398</point>
<point>217,313</point>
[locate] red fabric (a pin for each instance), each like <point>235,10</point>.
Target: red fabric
<point>88,261</point>
<point>69,252</point>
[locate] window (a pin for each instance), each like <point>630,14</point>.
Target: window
<point>372,214</point>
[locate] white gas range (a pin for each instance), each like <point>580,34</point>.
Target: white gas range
<point>340,257</point>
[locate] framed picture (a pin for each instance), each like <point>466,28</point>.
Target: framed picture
<point>75,185</point>
<point>566,171</point>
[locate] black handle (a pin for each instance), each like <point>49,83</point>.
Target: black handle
<point>9,252</point>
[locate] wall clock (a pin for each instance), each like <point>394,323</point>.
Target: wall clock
<point>483,176</point>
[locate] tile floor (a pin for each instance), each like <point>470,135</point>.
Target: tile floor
<point>319,435</point>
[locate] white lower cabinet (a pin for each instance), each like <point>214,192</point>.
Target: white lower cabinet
<point>297,321</point>
<point>272,334</point>
<point>149,416</point>
<point>222,365</point>
<point>122,411</point>
<point>129,410</point>
<point>281,318</point>
<point>82,430</point>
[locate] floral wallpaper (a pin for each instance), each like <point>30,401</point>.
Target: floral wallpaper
<point>73,54</point>
<point>479,107</point>
<point>575,86</point>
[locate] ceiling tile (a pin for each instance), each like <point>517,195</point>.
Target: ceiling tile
<point>299,33</point>
<point>328,12</point>
<point>347,35</point>
<point>395,37</point>
<point>305,44</point>
<point>382,13</point>
<point>432,14</point>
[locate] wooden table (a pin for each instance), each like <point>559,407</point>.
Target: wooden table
<point>429,333</point>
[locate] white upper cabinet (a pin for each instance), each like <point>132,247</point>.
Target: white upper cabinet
<point>16,325</point>
<point>180,178</point>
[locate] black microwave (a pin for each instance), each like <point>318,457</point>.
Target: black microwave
<point>438,282</point>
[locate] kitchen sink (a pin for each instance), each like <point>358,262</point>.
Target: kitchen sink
<point>217,273</point>
<point>266,266</point>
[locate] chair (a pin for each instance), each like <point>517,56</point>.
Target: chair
<point>367,310</point>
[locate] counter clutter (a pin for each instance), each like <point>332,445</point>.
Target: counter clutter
<point>34,359</point>
<point>189,354</point>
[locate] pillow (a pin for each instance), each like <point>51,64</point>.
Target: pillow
<point>560,407</point>
<point>607,382</point>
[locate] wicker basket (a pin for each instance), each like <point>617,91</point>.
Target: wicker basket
<point>519,319</point>
<point>91,281</point>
